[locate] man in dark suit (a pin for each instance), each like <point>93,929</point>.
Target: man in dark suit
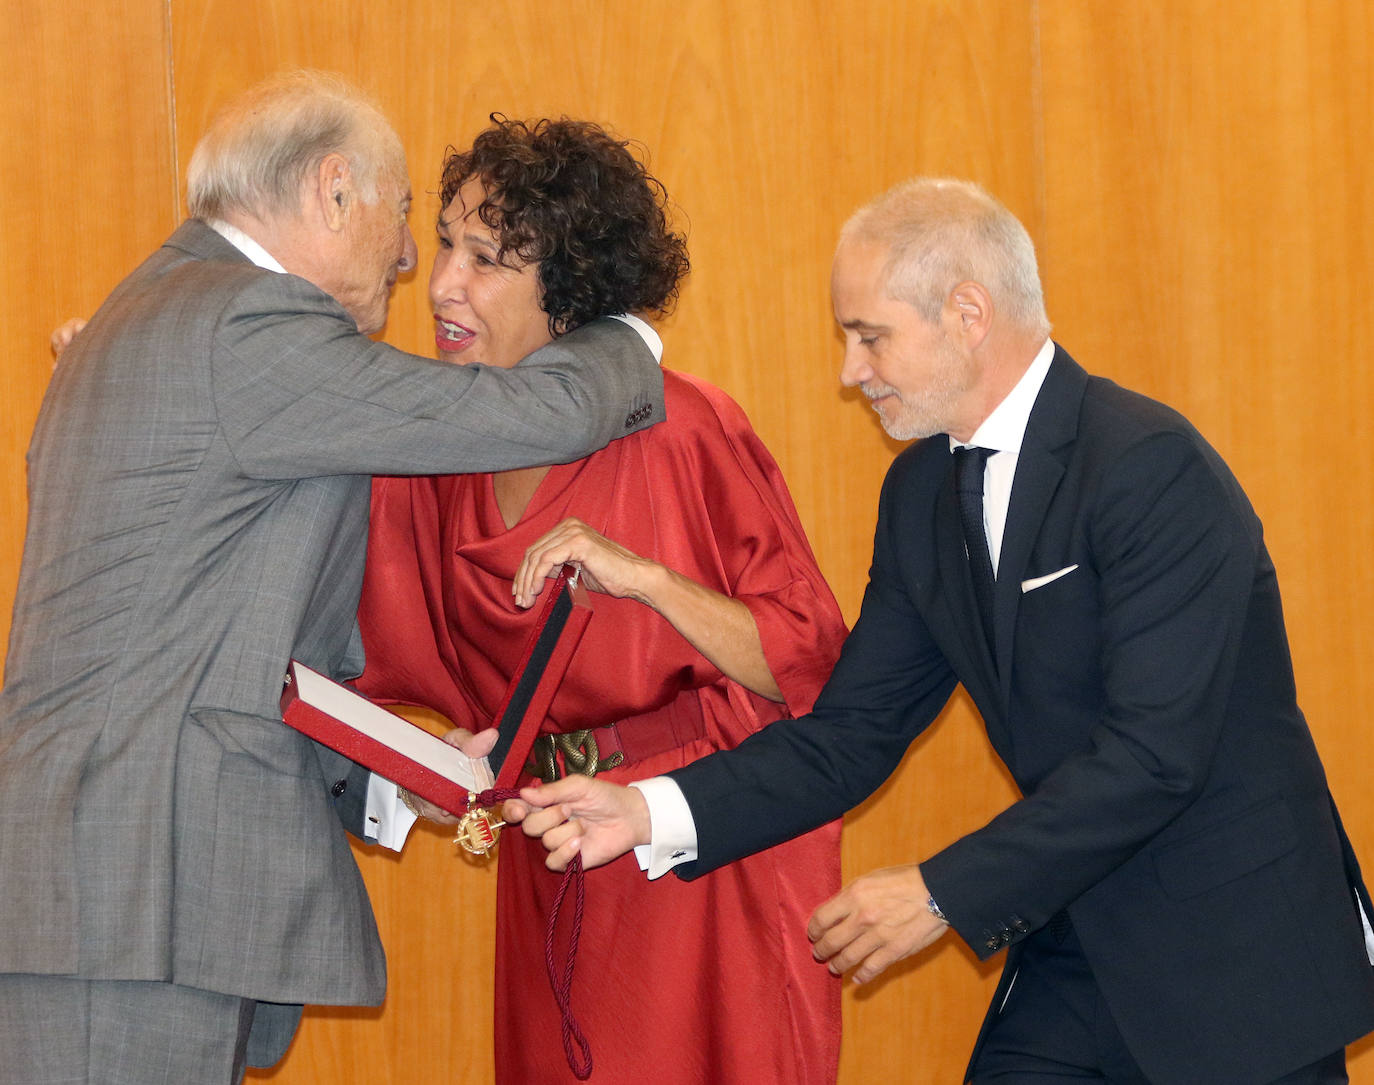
<point>174,876</point>
<point>1179,900</point>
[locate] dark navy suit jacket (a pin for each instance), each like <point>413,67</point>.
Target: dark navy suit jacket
<point>1144,702</point>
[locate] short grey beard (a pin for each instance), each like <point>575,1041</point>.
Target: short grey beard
<point>917,422</point>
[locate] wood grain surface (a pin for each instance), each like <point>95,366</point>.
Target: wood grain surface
<point>1195,175</point>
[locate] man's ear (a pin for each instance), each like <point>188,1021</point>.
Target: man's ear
<point>334,192</point>
<point>969,310</point>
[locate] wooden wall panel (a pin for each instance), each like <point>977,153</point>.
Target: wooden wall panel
<point>1209,239</point>
<point>86,86</point>
<point>1195,176</point>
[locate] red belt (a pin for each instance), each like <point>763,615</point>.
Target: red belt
<point>624,742</point>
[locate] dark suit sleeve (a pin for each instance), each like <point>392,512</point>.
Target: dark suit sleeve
<point>1173,545</point>
<point>889,684</point>
<point>298,392</point>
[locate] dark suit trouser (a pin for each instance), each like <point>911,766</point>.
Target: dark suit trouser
<point>56,1030</point>
<point>1056,1027</point>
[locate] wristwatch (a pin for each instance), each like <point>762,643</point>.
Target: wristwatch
<point>935,910</point>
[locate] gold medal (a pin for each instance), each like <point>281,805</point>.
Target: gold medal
<point>478,830</point>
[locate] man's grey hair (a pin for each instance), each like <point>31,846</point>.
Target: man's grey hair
<point>942,232</point>
<point>265,143</point>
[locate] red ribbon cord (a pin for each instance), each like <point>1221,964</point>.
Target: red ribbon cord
<point>575,1045</point>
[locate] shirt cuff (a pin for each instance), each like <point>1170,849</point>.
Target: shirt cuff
<point>672,829</point>
<point>387,820</point>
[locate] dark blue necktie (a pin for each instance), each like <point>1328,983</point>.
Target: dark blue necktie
<point>968,484</point>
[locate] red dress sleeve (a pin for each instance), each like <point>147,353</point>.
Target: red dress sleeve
<point>711,454</point>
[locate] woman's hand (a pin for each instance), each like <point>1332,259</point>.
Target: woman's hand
<point>64,333</point>
<point>607,567</point>
<point>720,628</point>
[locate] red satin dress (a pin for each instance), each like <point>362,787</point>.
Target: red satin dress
<point>708,981</point>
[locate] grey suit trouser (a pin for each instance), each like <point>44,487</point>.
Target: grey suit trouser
<point>57,1030</point>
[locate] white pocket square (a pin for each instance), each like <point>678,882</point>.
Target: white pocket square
<point>1040,581</point>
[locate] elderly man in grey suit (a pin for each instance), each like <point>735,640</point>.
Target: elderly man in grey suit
<point>175,880</point>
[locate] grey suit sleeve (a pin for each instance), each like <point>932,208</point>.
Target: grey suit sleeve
<point>347,783</point>
<point>298,392</point>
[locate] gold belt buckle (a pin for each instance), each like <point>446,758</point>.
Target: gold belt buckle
<point>581,756</point>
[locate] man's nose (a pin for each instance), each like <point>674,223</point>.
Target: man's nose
<point>409,254</point>
<point>854,367</point>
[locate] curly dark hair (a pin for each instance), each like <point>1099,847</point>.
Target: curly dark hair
<point>570,197</point>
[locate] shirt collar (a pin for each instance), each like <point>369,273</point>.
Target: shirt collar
<point>245,245</point>
<point>1005,428</point>
<point>646,332</point>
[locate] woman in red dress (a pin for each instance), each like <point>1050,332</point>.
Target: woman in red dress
<point>712,620</point>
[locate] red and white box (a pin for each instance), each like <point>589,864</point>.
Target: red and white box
<point>386,743</point>
<point>427,766</point>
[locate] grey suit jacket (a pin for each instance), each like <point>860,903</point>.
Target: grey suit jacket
<point>198,489</point>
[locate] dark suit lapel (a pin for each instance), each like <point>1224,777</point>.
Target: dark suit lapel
<point>1051,430</point>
